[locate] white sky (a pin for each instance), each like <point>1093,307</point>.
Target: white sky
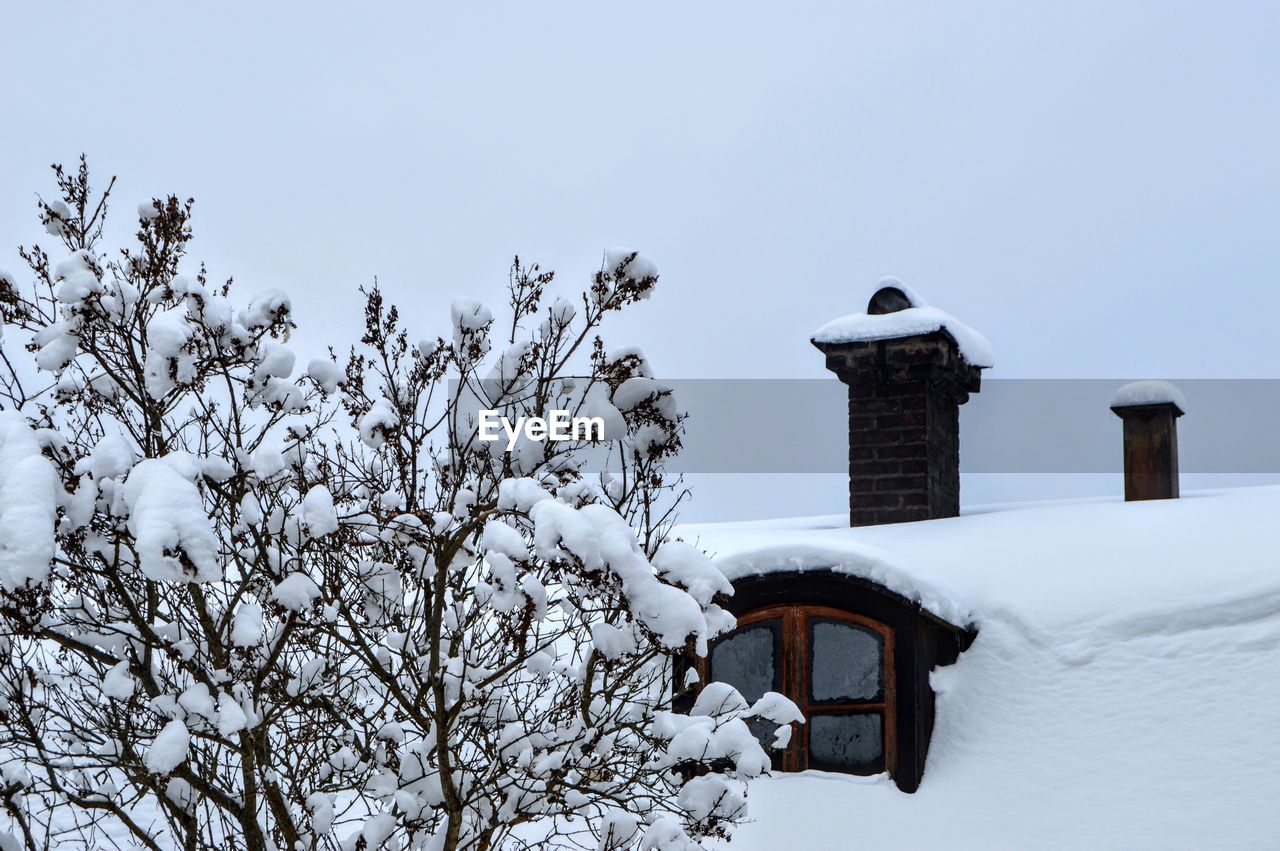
<point>1094,185</point>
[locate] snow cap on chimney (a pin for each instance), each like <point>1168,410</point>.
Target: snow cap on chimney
<point>1150,411</point>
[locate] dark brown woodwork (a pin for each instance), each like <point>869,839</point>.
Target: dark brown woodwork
<point>916,642</point>
<point>1150,450</point>
<point>796,667</point>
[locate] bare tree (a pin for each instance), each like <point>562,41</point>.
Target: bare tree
<point>240,605</point>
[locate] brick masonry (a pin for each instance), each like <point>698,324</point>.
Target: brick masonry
<point>904,425</point>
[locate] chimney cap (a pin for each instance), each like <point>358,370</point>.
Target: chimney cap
<point>888,300</point>
<point>896,311</point>
<point>1149,393</point>
<point>893,296</point>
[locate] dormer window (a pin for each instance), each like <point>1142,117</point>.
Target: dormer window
<point>835,665</point>
<point>852,655</point>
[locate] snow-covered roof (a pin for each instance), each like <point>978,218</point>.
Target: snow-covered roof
<point>1122,691</point>
<point>919,318</point>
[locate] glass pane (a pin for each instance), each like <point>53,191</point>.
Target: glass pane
<point>745,660</point>
<point>851,743</point>
<point>846,662</point>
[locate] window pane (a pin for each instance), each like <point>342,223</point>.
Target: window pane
<point>846,743</point>
<point>745,660</point>
<point>846,662</point>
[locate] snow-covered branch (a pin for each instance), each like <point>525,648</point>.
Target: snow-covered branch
<point>242,603</point>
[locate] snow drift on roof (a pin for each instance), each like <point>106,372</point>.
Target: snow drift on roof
<point>1121,691</point>
<point>848,558</point>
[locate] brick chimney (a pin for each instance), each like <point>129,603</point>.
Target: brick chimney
<point>1150,411</point>
<point>909,367</point>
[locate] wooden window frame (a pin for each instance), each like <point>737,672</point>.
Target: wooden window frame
<point>796,667</point>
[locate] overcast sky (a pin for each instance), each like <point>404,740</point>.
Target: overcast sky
<point>1093,185</point>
